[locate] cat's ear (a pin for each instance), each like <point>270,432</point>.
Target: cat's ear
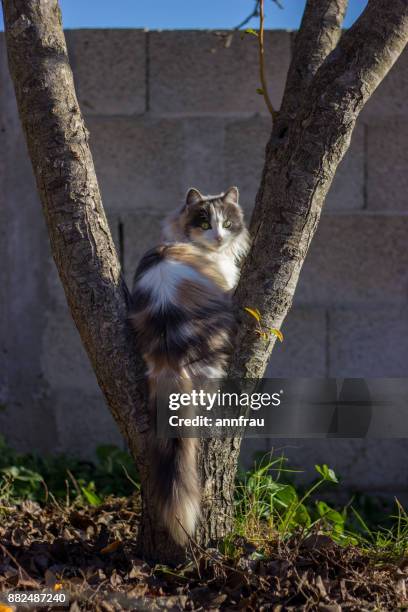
<point>193,196</point>
<point>231,196</point>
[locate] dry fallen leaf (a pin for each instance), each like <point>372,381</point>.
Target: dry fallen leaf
<point>111,547</point>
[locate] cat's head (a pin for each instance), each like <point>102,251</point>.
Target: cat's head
<point>214,222</point>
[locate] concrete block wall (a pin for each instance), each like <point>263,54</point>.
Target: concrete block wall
<point>167,110</point>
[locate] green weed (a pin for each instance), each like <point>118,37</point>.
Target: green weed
<point>269,507</point>
<point>30,476</point>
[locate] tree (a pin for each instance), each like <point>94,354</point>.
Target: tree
<point>330,78</point>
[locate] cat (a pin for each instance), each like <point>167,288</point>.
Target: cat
<point>184,323</point>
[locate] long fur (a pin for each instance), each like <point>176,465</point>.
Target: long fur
<point>183,319</point>
<point>174,478</point>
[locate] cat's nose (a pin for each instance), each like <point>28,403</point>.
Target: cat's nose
<point>219,239</point>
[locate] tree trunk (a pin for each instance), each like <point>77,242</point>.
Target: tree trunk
<point>217,463</point>
<point>309,138</point>
<point>308,141</point>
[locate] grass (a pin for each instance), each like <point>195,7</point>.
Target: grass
<point>270,507</point>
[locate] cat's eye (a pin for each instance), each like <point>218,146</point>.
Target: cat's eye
<point>227,224</point>
<point>205,225</point>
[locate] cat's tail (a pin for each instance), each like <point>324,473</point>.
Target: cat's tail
<point>174,479</point>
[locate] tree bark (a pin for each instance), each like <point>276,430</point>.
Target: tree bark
<point>318,34</point>
<point>307,142</point>
<point>81,242</point>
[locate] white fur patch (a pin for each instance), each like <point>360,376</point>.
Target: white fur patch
<point>211,371</point>
<point>162,280</point>
<point>228,268</point>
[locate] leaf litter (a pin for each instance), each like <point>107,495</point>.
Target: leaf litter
<point>91,553</point>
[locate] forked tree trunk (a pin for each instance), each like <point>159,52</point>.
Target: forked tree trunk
<point>324,95</point>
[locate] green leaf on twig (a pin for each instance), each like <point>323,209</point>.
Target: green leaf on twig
<point>251,31</point>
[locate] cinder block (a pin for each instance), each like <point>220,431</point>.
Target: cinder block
<point>5,93</point>
<point>387,175</point>
<point>27,420</point>
<point>83,423</point>
<point>64,362</point>
<point>139,163</point>
<point>24,252</point>
<point>390,98</point>
<point>370,465</point>
<point>347,189</point>
<point>368,342</point>
<point>109,68</point>
<point>140,233</point>
<point>250,449</point>
<point>44,361</point>
<point>72,387</point>
<point>303,351</point>
<point>193,72</point>
<point>204,154</point>
<point>356,259</point>
<point>245,142</point>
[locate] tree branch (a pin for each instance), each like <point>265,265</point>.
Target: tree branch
<point>262,76</point>
<point>255,13</point>
<point>318,34</point>
<point>81,242</point>
<point>299,167</point>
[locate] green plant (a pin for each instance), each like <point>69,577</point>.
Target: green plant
<point>30,476</point>
<point>270,507</point>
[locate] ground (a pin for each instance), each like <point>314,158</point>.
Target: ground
<point>91,553</point>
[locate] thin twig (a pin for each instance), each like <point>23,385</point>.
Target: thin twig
<point>67,500</point>
<point>44,484</point>
<point>227,37</point>
<point>21,569</point>
<point>204,552</point>
<point>55,502</point>
<point>134,483</point>
<point>194,558</point>
<point>74,482</point>
<point>262,61</point>
<point>258,10</point>
<point>254,13</point>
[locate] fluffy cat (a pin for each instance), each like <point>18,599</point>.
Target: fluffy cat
<point>182,315</point>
